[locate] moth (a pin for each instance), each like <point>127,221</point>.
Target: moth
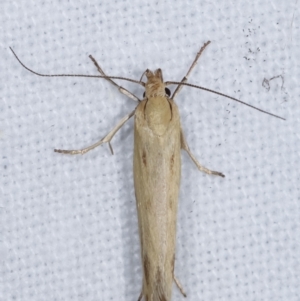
<point>158,140</point>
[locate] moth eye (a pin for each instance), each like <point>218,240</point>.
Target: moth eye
<point>144,94</point>
<point>168,92</point>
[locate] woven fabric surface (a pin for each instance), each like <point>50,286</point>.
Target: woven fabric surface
<point>68,223</point>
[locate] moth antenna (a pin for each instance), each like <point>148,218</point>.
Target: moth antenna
<point>76,75</point>
<point>221,94</point>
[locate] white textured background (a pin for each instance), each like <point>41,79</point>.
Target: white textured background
<point>68,224</point>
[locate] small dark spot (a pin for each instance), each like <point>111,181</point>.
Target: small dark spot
<point>172,161</point>
<point>146,264</point>
<point>144,158</point>
<point>171,204</point>
<point>173,263</point>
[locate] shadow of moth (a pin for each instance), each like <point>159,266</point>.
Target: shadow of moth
<point>158,140</point>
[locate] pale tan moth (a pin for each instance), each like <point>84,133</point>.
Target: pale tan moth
<point>158,140</point>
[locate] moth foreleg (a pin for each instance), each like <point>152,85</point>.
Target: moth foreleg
<point>105,139</point>
<point>185,146</point>
<point>120,88</point>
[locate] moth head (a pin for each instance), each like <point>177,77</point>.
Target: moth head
<point>155,85</point>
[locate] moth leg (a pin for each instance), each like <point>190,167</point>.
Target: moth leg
<point>121,89</point>
<point>105,139</point>
<point>185,146</point>
<point>179,286</point>
<point>185,78</point>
